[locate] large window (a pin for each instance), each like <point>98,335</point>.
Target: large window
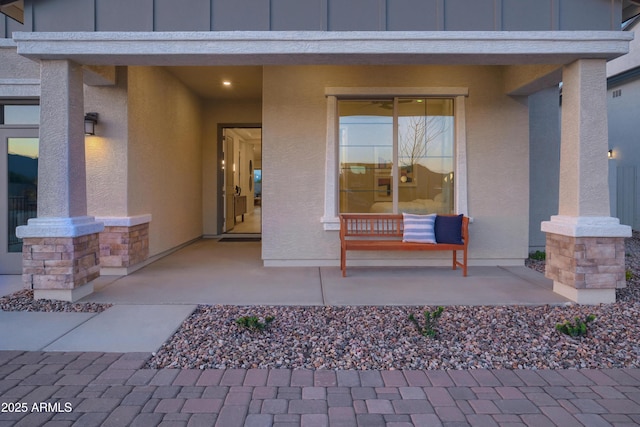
<point>396,154</point>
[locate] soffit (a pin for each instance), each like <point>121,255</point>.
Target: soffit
<point>317,47</point>
<point>14,9</point>
<point>630,8</point>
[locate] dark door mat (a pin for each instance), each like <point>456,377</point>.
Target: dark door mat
<point>240,239</point>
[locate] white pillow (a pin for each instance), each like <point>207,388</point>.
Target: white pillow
<point>419,228</point>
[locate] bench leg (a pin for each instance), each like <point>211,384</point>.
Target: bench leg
<point>464,260</point>
<point>343,261</point>
<point>454,260</point>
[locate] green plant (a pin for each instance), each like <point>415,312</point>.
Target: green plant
<point>430,322</point>
<point>254,323</point>
<point>538,255</point>
<point>576,328</point>
<point>628,275</point>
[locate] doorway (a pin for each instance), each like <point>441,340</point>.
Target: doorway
<point>18,192</point>
<point>241,177</point>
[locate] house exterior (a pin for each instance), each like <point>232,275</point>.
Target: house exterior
<point>623,92</point>
<point>364,105</point>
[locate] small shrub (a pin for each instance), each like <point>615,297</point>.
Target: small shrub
<point>538,255</point>
<point>628,275</point>
<point>576,328</point>
<point>430,322</point>
<point>254,323</point>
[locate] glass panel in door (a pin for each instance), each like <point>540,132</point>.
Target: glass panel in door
<point>22,165</point>
<point>19,192</point>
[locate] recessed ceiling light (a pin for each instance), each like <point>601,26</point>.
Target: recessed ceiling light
<point>226,83</point>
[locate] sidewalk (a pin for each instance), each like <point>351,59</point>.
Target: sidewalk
<point>112,389</point>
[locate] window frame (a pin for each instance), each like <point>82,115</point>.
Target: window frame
<point>17,102</point>
<point>330,219</point>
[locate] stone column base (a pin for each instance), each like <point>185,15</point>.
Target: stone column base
<point>60,256</point>
<point>585,257</point>
<point>124,244</point>
<point>61,267</point>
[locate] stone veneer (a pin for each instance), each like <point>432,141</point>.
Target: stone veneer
<point>61,263</point>
<point>586,262</point>
<point>124,246</point>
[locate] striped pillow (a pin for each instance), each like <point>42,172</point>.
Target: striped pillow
<point>419,228</point>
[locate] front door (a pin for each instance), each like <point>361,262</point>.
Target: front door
<point>240,177</point>
<point>229,182</point>
<point>18,192</point>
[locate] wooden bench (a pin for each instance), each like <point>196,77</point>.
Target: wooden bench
<point>383,232</point>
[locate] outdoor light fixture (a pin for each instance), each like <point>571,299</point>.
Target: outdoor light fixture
<point>90,121</point>
<point>610,154</point>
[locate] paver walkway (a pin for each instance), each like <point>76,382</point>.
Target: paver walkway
<point>112,389</point>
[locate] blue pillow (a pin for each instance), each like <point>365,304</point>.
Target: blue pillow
<point>448,229</point>
<point>418,228</point>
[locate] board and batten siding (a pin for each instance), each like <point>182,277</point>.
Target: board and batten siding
<point>316,15</point>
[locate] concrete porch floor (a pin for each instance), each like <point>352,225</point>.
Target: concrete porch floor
<point>212,272</point>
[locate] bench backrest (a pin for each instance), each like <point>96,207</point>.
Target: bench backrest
<point>381,226</point>
<point>374,225</point>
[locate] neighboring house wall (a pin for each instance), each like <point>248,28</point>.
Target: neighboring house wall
<point>294,140</point>
<point>630,60</point>
<point>164,157</point>
<point>624,140</point>
<point>331,15</point>
<point>623,105</point>
<point>544,151</point>
<point>215,113</point>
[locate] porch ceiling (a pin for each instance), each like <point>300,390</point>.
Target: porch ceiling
<point>312,47</point>
<point>246,81</point>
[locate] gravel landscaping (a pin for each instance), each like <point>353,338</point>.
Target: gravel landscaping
<point>511,337</point>
<point>23,301</point>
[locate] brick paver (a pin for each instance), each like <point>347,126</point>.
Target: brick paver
<point>111,389</point>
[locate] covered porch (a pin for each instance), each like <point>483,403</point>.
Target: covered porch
<point>231,273</point>
<point>517,65</point>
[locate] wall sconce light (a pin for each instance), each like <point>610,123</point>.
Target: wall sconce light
<point>610,154</point>
<point>90,122</point>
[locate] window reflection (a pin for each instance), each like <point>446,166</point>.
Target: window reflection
<point>21,115</point>
<point>423,146</point>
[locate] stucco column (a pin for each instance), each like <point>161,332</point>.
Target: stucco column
<point>60,246</point>
<point>585,246</point>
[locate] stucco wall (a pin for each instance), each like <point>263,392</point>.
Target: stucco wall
<point>14,66</point>
<point>294,145</point>
<point>106,152</point>
<point>215,113</point>
<point>164,168</point>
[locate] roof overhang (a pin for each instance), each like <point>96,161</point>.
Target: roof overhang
<point>322,47</point>
<point>14,9</point>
